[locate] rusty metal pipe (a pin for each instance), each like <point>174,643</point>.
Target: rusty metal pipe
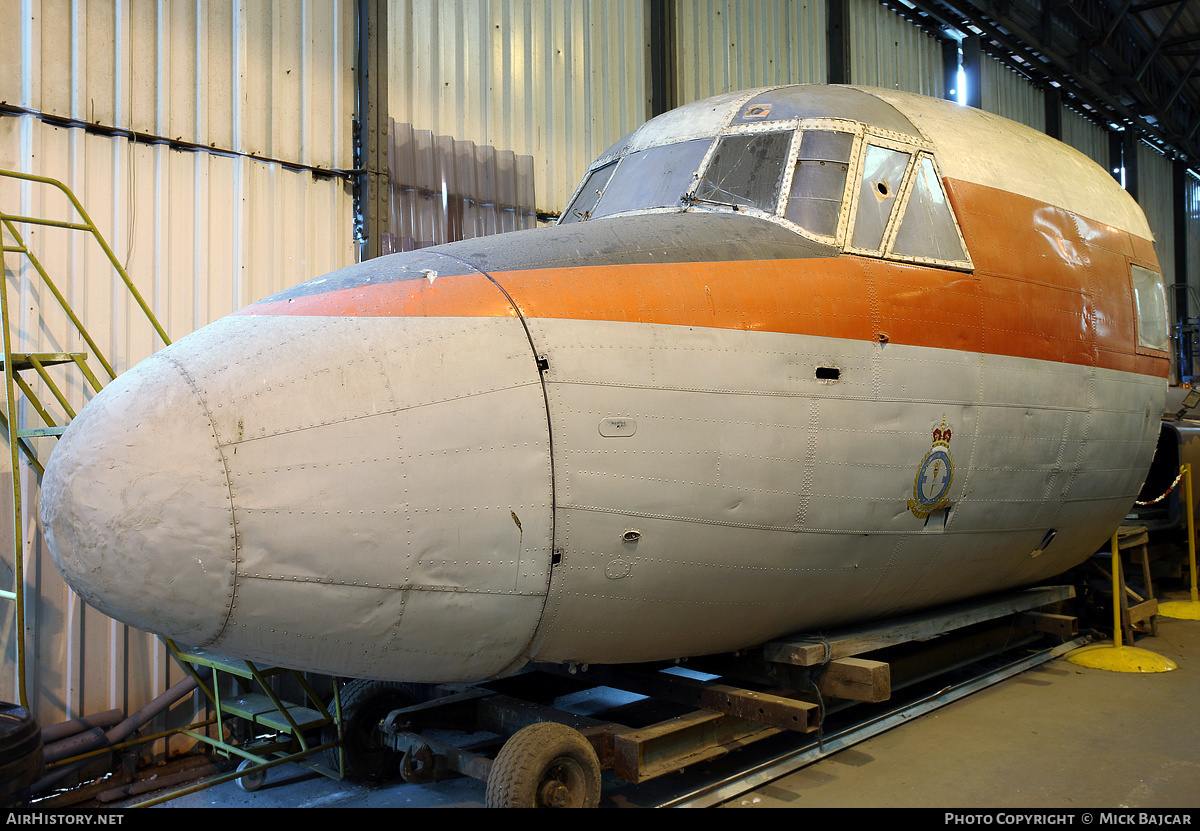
<point>123,730</point>
<point>57,732</point>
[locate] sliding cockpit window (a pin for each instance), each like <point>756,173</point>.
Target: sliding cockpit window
<point>819,181</point>
<point>882,173</point>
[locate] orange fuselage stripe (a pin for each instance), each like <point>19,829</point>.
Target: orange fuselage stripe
<point>1047,285</point>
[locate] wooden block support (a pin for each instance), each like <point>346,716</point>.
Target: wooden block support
<point>857,679</point>
<point>1052,624</point>
<point>639,755</point>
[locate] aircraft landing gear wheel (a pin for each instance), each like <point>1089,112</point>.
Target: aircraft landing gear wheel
<point>545,765</point>
<point>251,781</point>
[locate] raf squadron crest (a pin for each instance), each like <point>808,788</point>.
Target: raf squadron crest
<point>934,476</point>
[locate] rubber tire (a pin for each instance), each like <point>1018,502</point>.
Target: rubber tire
<point>537,755</point>
<point>22,760</point>
<point>364,704</point>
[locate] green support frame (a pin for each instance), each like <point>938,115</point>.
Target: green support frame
<point>298,733</point>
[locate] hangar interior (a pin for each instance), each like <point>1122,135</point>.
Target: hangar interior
<point>224,152</point>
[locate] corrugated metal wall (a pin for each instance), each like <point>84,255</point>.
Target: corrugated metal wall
<point>1006,93</point>
<point>888,51</point>
<point>1191,187</point>
<point>562,80</point>
<point>726,45</point>
<point>559,80</point>
<point>1156,195</point>
<point>185,129</point>
<point>1085,136</point>
<point>444,189</point>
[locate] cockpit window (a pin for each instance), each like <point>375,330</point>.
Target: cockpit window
<point>883,170</point>
<point>656,177</point>
<point>928,231</point>
<point>746,170</point>
<point>589,194</point>
<point>840,183</point>
<point>1150,301</point>
<point>819,181</point>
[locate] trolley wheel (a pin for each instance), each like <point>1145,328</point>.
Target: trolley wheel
<point>545,765</point>
<point>365,703</point>
<point>251,781</point>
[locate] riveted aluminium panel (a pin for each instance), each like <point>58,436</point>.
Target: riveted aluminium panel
<point>367,462</point>
<point>787,475</point>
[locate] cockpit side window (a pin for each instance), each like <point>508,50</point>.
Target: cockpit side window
<point>819,181</point>
<point>927,231</point>
<point>746,170</point>
<point>656,177</point>
<point>589,194</point>
<point>882,172</point>
<point>1150,303</point>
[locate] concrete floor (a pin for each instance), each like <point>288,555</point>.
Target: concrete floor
<point>1057,736</point>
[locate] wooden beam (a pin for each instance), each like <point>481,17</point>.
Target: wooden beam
<point>806,651</point>
<point>668,746</point>
<point>776,709</point>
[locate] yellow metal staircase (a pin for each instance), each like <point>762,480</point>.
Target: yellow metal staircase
<point>310,735</point>
<point>18,382</point>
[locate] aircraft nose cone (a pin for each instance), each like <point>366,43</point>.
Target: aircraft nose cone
<point>136,494</point>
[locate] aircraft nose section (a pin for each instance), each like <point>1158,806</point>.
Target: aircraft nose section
<point>136,494</point>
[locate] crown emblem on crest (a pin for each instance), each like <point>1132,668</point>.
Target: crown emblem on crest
<point>941,434</point>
